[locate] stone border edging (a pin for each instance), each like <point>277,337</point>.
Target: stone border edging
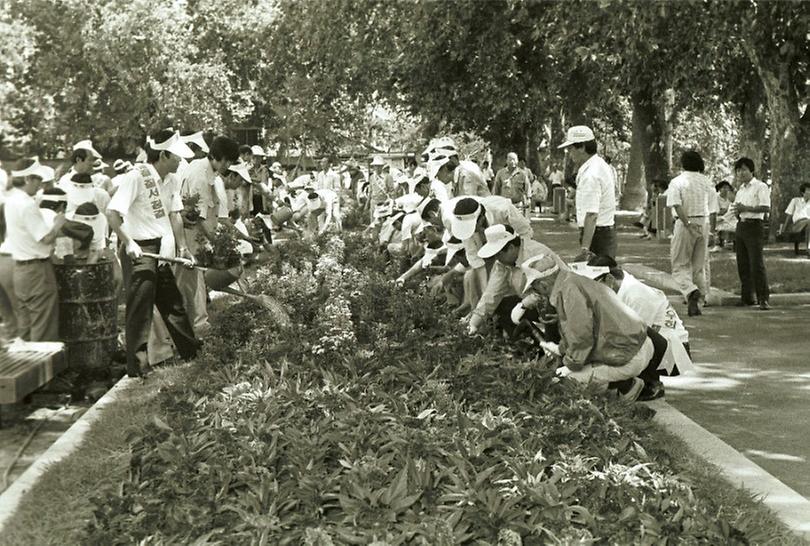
<point>791,507</point>
<point>61,448</point>
<point>664,281</point>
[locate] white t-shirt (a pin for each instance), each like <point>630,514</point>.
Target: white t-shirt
<point>798,209</point>
<point>145,202</point>
<point>651,305</point>
<point>595,192</point>
<point>25,227</point>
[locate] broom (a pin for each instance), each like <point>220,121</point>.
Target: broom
<point>263,300</point>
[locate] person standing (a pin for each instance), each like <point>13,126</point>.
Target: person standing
<point>380,185</point>
<point>511,181</point>
<point>595,195</point>
<point>83,160</point>
<point>752,202</point>
<point>30,241</point>
<point>145,214</point>
<point>688,195</point>
<point>202,179</point>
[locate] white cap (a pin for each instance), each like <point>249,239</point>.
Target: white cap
<point>86,145</point>
<point>242,170</point>
<point>35,169</point>
<point>99,165</point>
<point>173,144</point>
<point>377,160</point>
<point>497,236</point>
<point>577,133</point>
<point>434,165</point>
<point>462,226</point>
<point>538,267</point>
<point>257,150</point>
<point>196,138</point>
<point>589,271</point>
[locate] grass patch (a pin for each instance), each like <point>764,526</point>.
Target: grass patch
<point>56,510</point>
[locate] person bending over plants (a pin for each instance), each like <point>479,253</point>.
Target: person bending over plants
<point>601,340</point>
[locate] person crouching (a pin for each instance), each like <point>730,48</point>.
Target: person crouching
<point>602,340</point>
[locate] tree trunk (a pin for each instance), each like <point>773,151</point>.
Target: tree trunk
<point>652,126</point>
<point>753,123</point>
<point>634,194</point>
<point>790,133</point>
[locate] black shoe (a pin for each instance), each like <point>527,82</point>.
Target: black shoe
<point>744,303</point>
<point>651,391</point>
<point>693,302</point>
<point>765,306</point>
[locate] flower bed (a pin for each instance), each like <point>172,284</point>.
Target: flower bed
<point>375,419</point>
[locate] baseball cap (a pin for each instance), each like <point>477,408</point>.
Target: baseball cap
<point>576,134</point>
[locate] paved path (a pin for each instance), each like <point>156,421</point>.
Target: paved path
<point>752,383</point>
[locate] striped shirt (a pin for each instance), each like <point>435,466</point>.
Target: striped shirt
<point>690,190</point>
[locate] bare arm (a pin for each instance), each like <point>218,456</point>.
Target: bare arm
<point>588,230</point>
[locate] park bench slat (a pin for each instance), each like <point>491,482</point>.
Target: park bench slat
<point>24,372</point>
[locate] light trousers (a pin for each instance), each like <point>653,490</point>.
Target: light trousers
<point>687,255</point>
<point>601,374</point>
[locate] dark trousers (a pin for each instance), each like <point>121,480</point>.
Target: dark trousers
<point>604,241</point>
<point>152,284</point>
<point>748,243</point>
<point>651,373</point>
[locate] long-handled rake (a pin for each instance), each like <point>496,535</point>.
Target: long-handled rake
<point>271,304</point>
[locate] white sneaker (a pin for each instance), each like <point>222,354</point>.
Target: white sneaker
<point>716,248</point>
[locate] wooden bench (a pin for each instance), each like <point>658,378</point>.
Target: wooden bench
<point>21,373</point>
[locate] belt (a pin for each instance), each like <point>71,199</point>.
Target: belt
<point>604,227</point>
<point>143,242</point>
<point>33,261</point>
<point>751,220</point>
<point>698,216</point>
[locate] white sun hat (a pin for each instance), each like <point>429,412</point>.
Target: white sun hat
<point>377,160</point>
<point>35,169</point>
<point>464,218</point>
<point>257,150</point>
<point>173,145</point>
<point>86,145</point>
<point>196,138</point>
<point>589,271</point>
<point>538,267</point>
<point>497,236</point>
<point>576,134</point>
<point>242,170</point>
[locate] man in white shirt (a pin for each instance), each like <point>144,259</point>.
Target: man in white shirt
<point>797,216</point>
<point>752,202</point>
<point>82,160</point>
<point>145,214</point>
<point>462,176</point>
<point>688,195</point>
<point>595,197</point>
<point>201,179</point>
<point>30,241</point>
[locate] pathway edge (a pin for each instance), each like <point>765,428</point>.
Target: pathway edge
<point>61,448</point>
<point>791,507</point>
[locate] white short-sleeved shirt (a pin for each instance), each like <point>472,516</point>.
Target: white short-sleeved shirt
<point>408,202</point>
<point>145,202</point>
<point>651,305</point>
<point>798,209</point>
<point>409,224</point>
<point>25,227</point>
<point>200,178</point>
<point>596,192</point>
<point>754,194</point>
<point>329,197</point>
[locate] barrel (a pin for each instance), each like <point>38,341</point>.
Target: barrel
<point>88,317</point>
<point>558,200</point>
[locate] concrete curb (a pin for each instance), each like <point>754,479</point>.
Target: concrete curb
<point>61,448</point>
<point>791,507</point>
<point>664,281</point>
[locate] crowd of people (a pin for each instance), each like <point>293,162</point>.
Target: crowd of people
<point>444,220</point>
